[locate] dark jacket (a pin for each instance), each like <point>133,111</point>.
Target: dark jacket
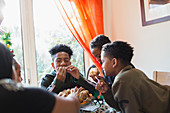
<point>70,82</point>
<point>133,92</point>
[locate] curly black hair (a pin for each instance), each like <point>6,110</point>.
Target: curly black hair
<point>120,50</point>
<point>60,48</point>
<point>99,41</point>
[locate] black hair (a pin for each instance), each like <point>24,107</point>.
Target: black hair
<point>60,48</point>
<point>99,41</point>
<point>6,59</point>
<point>120,50</point>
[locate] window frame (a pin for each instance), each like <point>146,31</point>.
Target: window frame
<point>28,39</point>
<point>29,48</point>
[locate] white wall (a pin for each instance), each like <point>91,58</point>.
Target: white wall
<point>122,19</point>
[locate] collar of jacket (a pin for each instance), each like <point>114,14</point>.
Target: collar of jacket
<point>126,68</point>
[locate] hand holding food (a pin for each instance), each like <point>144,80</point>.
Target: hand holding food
<point>61,73</point>
<point>102,86</point>
<point>73,71</point>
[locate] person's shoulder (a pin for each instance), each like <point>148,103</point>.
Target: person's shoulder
<point>129,73</point>
<point>92,66</point>
<point>50,75</point>
<point>10,85</point>
<point>89,68</point>
<point>133,72</point>
<point>38,91</point>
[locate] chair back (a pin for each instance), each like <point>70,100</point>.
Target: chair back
<point>162,77</point>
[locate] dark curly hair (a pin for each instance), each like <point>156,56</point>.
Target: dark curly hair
<point>60,48</point>
<point>120,50</point>
<point>99,41</point>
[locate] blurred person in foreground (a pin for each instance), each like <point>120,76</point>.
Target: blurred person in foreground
<point>132,91</point>
<point>15,98</point>
<point>30,99</point>
<point>17,67</point>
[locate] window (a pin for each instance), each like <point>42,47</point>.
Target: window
<point>12,24</point>
<point>50,30</point>
<point>40,31</point>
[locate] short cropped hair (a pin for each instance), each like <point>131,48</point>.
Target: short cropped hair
<point>60,48</point>
<point>6,59</point>
<point>120,50</point>
<point>99,41</point>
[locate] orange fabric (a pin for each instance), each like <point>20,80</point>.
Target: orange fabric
<point>84,19</point>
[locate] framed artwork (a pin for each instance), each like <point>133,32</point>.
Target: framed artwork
<point>154,11</point>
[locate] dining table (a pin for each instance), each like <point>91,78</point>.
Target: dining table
<point>97,106</point>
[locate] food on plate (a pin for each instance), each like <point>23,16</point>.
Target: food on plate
<point>94,71</point>
<point>65,93</point>
<point>84,95</point>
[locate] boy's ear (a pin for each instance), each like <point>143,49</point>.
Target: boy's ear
<point>114,62</point>
<point>52,64</point>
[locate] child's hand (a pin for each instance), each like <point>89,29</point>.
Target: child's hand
<point>102,85</point>
<point>61,73</point>
<point>73,71</point>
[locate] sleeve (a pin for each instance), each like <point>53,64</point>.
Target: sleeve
<point>87,85</point>
<point>56,86</point>
<point>108,96</point>
<point>52,84</point>
<point>128,98</point>
<point>36,100</point>
<point>46,81</point>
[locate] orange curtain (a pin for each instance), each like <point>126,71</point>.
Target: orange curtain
<point>84,19</point>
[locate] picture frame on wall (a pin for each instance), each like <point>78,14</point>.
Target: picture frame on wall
<point>154,11</point>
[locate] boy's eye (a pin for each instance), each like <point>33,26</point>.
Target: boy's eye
<point>58,61</point>
<point>97,56</point>
<point>66,60</point>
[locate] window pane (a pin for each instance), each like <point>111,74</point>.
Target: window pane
<point>50,30</point>
<point>12,24</point>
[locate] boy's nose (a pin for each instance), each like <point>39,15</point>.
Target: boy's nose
<point>63,63</point>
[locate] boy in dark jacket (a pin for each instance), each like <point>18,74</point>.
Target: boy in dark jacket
<point>64,75</point>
